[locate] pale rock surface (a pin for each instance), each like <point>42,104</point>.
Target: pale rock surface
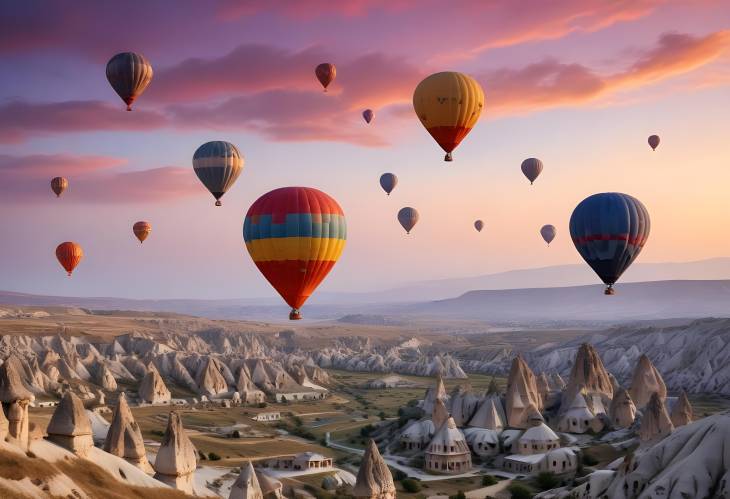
<point>522,399</point>
<point>70,427</point>
<point>374,480</point>
<point>645,381</point>
<point>124,438</point>
<point>106,379</point>
<point>682,413</point>
<point>176,459</point>
<point>153,390</point>
<point>655,422</point>
<point>440,414</point>
<point>590,377</point>
<point>209,379</point>
<point>246,485</point>
<point>622,411</point>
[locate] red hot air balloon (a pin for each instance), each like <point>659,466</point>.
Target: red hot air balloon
<point>58,185</point>
<point>653,142</point>
<point>141,230</point>
<point>326,74</point>
<point>69,254</point>
<point>295,235</point>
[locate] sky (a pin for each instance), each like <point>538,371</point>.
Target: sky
<point>580,84</point>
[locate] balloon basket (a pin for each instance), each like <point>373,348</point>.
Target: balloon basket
<point>218,203</point>
<point>295,315</point>
<point>609,291</point>
<point>448,157</point>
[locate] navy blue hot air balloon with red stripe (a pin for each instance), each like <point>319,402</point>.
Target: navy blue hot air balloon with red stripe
<point>609,230</point>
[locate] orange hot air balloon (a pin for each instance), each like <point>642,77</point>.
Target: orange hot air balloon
<point>325,73</point>
<point>58,185</point>
<point>142,229</point>
<point>69,255</point>
<point>448,105</point>
<point>295,235</point>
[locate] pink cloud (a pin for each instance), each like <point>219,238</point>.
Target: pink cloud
<point>96,179</point>
<point>20,119</point>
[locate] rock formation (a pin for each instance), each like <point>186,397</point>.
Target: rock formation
<point>106,379</point>
<point>152,389</point>
<point>622,411</point>
<point>490,414</point>
<point>645,381</point>
<point>655,422</point>
<point>543,386</point>
<point>591,378</point>
<point>682,411</point>
<point>209,379</point>
<point>522,398</point>
<point>18,423</point>
<point>124,438</point>
<point>247,390</point>
<point>4,425</point>
<point>70,426</point>
<point>12,385</point>
<point>440,414</point>
<point>374,480</point>
<point>246,485</point>
<point>270,486</point>
<point>176,459</point>
<point>436,392</point>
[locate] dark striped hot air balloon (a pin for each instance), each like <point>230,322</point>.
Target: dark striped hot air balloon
<point>326,74</point>
<point>217,164</point>
<point>295,235</point>
<point>69,254</point>
<point>531,168</point>
<point>548,233</point>
<point>368,115</point>
<point>141,230</point>
<point>449,105</point>
<point>479,225</point>
<point>388,181</point>
<point>609,230</point>
<point>408,218</point>
<point>653,141</point>
<point>58,185</point>
<point>129,74</point>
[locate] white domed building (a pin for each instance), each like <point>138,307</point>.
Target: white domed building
<point>448,451</point>
<point>578,417</point>
<point>417,435</point>
<point>537,439</point>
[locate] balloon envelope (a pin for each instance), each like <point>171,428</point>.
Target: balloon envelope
<point>58,185</point>
<point>408,218</point>
<point>531,168</point>
<point>217,164</point>
<point>141,230</point>
<point>548,233</point>
<point>129,74</point>
<point>69,254</point>
<point>325,73</point>
<point>388,181</point>
<point>448,105</point>
<point>479,225</point>
<point>295,235</point>
<point>609,230</point>
<point>368,115</point>
<point>653,142</point>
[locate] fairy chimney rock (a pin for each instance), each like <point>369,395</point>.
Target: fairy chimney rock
<point>374,480</point>
<point>153,390</point>
<point>440,414</point>
<point>124,438</point>
<point>70,426</point>
<point>209,379</point>
<point>655,423</point>
<point>645,381</point>
<point>522,394</point>
<point>682,411</point>
<point>622,411</point>
<point>176,459</point>
<point>590,377</point>
<point>12,386</point>
<point>246,485</point>
<point>106,379</point>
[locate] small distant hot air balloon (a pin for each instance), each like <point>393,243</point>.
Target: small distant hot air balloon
<point>129,74</point>
<point>217,164</point>
<point>295,235</point>
<point>448,105</point>
<point>653,142</point>
<point>479,225</point>
<point>326,74</point>
<point>531,167</point>
<point>609,230</point>
<point>548,233</point>
<point>58,185</point>
<point>141,230</point>
<point>69,254</point>
<point>388,181</point>
<point>368,115</point>
<point>408,218</point>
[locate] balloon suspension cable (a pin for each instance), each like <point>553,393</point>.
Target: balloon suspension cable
<point>129,107</point>
<point>531,182</point>
<point>218,202</point>
<point>69,274</point>
<point>448,157</point>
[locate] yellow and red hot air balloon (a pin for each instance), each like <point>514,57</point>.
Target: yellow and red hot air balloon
<point>69,254</point>
<point>448,105</point>
<point>141,230</point>
<point>58,185</point>
<point>295,235</point>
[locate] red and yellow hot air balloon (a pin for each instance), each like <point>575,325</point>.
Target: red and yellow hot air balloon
<point>69,255</point>
<point>295,235</point>
<point>448,105</point>
<point>141,230</point>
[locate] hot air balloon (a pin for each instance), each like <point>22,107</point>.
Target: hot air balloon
<point>58,185</point>
<point>368,115</point>
<point>548,233</point>
<point>325,73</point>
<point>69,254</point>
<point>479,225</point>
<point>388,181</point>
<point>653,142</point>
<point>609,230</point>
<point>295,236</point>
<point>531,167</point>
<point>141,230</point>
<point>448,105</point>
<point>408,218</point>
<point>217,164</point>
<point>129,74</point>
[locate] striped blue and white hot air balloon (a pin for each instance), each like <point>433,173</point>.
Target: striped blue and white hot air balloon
<point>217,164</point>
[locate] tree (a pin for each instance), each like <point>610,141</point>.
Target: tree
<point>547,480</point>
<point>410,485</point>
<point>519,491</point>
<point>488,480</point>
<point>458,495</point>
